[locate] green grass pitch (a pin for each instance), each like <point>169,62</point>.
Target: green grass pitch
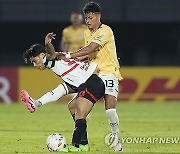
<point>22,132</point>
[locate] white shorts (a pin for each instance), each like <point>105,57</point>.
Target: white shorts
<point>111,84</point>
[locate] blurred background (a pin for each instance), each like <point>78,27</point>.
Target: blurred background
<point>147,34</point>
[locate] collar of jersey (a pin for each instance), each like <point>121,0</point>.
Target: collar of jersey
<point>97,28</point>
<point>48,63</point>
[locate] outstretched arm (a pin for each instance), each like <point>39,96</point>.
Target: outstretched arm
<point>92,47</point>
<point>49,47</point>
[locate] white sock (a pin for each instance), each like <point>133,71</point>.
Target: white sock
<point>54,95</point>
<point>113,120</point>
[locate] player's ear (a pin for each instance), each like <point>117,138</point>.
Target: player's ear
<point>42,54</point>
<point>98,15</point>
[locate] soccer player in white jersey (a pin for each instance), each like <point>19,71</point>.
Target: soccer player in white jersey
<point>78,77</point>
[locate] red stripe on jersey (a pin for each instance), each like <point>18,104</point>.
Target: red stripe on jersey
<point>90,94</point>
<point>71,69</point>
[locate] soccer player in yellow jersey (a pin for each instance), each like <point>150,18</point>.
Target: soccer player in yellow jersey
<point>101,48</point>
<point>73,35</point>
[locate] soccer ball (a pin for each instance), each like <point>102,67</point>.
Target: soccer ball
<point>55,142</point>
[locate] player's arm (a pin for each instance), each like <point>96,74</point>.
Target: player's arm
<point>50,51</point>
<point>92,47</point>
<point>83,58</point>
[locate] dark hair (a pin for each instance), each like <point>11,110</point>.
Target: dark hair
<point>92,7</point>
<point>33,51</point>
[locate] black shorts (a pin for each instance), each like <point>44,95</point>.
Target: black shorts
<point>93,89</point>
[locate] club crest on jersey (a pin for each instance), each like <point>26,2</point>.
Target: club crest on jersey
<point>98,37</point>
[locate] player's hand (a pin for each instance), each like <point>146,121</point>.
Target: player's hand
<point>82,58</point>
<point>60,56</point>
<point>49,37</point>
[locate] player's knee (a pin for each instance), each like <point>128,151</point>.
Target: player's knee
<point>110,105</point>
<point>72,107</point>
<point>81,113</point>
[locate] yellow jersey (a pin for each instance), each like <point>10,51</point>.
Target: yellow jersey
<point>74,37</point>
<point>105,56</point>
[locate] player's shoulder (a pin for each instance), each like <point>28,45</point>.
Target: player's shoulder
<point>87,31</point>
<point>105,27</point>
<point>68,28</point>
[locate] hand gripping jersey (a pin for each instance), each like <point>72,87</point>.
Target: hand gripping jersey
<point>71,71</point>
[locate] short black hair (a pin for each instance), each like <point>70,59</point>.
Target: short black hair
<point>92,7</point>
<point>33,51</point>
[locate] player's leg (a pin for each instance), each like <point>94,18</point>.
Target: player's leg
<point>83,107</point>
<point>72,109</point>
<point>111,93</point>
<point>51,96</point>
<point>71,106</point>
<point>88,94</point>
<point>110,103</point>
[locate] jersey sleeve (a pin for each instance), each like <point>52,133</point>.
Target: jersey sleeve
<point>102,36</point>
<point>65,35</point>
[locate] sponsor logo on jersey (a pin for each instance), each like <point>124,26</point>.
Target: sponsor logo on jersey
<point>98,37</point>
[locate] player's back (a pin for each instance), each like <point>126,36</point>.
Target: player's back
<point>74,37</point>
<point>105,56</point>
<point>71,71</point>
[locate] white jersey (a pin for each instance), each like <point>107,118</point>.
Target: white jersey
<point>71,71</point>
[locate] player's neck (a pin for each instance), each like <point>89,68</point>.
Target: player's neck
<point>96,27</point>
<point>75,26</point>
